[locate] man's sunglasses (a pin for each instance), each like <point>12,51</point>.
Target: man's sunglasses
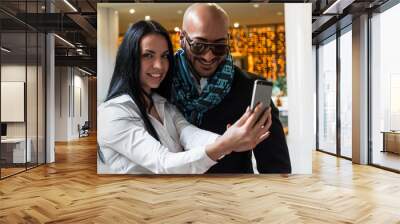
<point>199,48</point>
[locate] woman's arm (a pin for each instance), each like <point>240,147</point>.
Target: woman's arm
<point>122,130</point>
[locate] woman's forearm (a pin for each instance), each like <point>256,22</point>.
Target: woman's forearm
<point>218,149</point>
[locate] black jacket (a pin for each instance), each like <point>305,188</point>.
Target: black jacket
<point>272,155</point>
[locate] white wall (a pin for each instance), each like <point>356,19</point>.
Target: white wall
<point>15,72</point>
<point>33,125</point>
<point>107,37</point>
<point>301,86</point>
<point>107,40</point>
<point>82,83</point>
<point>79,117</point>
<point>70,84</point>
<point>61,103</point>
<point>12,101</point>
<point>314,74</point>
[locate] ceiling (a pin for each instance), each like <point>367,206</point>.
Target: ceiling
<point>170,14</point>
<point>79,27</point>
<point>24,46</point>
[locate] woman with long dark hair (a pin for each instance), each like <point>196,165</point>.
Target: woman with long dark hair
<point>139,131</point>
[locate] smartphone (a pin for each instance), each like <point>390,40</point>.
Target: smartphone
<point>262,91</point>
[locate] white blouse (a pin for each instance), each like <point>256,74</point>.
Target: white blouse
<point>128,148</point>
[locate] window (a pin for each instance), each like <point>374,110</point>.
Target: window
<point>385,88</point>
<point>327,96</point>
<point>346,94</point>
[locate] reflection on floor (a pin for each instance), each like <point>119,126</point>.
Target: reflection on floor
<point>386,159</point>
<point>10,169</point>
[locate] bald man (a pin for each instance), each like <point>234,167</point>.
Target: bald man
<point>211,92</point>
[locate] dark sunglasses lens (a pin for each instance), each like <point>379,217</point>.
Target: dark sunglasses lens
<point>198,48</point>
<point>219,50</point>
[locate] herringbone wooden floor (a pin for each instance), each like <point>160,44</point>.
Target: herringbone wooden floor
<point>70,191</point>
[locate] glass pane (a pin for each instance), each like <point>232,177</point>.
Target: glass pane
<point>13,87</point>
<point>386,89</point>
<point>345,94</point>
<point>31,98</point>
<point>327,97</point>
<point>23,88</point>
<point>41,98</point>
<point>9,24</point>
<point>18,6</point>
<point>32,7</point>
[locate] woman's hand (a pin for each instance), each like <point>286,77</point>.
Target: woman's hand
<point>246,133</point>
<point>251,129</point>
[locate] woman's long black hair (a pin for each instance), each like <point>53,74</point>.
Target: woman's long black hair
<point>126,75</point>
